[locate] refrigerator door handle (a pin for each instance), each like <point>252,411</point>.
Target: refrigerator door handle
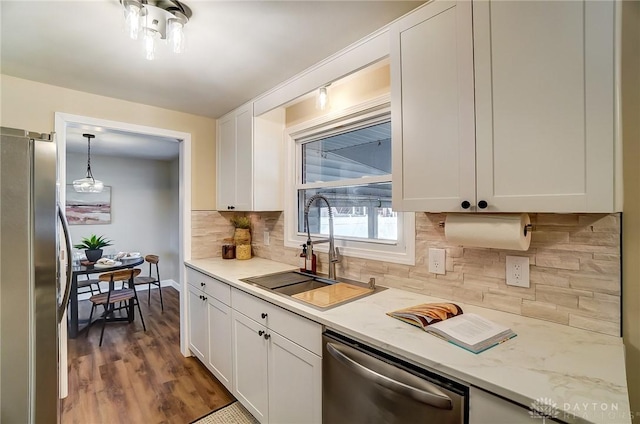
<point>67,287</point>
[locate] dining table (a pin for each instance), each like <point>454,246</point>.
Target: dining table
<point>80,269</point>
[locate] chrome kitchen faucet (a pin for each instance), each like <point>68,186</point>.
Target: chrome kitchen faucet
<point>333,251</point>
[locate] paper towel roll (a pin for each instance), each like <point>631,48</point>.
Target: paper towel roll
<point>495,231</point>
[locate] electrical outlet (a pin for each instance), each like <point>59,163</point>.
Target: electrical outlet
<point>266,238</point>
<point>518,271</point>
<point>436,260</point>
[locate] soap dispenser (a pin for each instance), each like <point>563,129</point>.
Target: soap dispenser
<point>302,262</point>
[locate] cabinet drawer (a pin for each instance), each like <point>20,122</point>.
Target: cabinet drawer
<point>214,288</point>
<point>302,331</point>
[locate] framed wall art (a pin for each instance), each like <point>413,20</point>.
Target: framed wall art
<point>88,208</point>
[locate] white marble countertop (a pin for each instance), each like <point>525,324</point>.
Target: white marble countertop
<point>582,372</point>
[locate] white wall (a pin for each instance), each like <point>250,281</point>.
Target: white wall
<point>144,206</point>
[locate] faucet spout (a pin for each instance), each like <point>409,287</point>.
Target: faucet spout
<point>333,256</point>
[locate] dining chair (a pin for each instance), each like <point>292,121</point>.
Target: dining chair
<point>109,299</point>
<point>89,285</point>
<point>150,279</point>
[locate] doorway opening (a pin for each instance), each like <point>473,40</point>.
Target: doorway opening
<point>67,127</point>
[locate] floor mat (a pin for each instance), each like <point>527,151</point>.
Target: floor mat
<point>234,413</point>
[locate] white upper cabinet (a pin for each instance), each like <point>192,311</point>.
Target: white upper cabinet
<point>544,75</point>
<point>432,108</point>
<point>541,78</point>
<point>249,159</point>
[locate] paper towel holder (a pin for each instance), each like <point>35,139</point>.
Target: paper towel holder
<point>527,228</point>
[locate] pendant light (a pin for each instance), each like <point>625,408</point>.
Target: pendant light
<point>88,184</point>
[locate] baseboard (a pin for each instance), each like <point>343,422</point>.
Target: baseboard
<point>104,286</point>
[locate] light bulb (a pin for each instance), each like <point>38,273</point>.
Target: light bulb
<point>150,42</point>
<point>176,35</point>
<point>132,19</point>
<point>322,99</point>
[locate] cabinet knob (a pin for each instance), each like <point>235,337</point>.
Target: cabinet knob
<point>260,333</point>
<point>267,336</point>
<point>264,315</point>
<point>204,298</point>
<point>203,284</point>
<point>465,204</point>
<point>482,204</point>
<point>201,296</point>
<point>231,207</point>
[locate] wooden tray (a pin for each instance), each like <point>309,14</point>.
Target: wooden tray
<point>332,295</point>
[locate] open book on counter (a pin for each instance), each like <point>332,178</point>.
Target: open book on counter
<point>447,321</point>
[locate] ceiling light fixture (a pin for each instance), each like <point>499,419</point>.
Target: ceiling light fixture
<point>156,20</point>
<point>322,98</point>
<point>88,184</point>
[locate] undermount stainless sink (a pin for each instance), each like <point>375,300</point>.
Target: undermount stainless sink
<point>289,283</point>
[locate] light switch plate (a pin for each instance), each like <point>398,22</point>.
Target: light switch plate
<point>518,271</point>
<point>266,238</point>
<point>437,260</point>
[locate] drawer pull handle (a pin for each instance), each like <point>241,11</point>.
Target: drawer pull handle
<point>264,315</point>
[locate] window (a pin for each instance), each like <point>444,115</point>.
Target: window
<point>348,161</point>
<point>353,170</point>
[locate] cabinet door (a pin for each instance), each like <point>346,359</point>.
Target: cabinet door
<point>295,383</point>
<point>433,108</point>
<point>244,158</point>
<point>226,152</point>
<point>220,344</point>
<point>545,105</point>
<point>250,365</point>
<point>197,323</point>
<point>485,408</point>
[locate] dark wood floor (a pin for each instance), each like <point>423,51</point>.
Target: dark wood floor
<point>137,376</point>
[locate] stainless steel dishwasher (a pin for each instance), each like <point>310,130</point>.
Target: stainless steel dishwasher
<point>361,384</point>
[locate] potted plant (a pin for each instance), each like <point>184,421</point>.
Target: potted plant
<point>93,246</point>
<point>242,236</point>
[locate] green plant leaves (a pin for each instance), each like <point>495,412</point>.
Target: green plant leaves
<point>93,243</point>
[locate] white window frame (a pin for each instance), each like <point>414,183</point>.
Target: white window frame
<point>401,251</point>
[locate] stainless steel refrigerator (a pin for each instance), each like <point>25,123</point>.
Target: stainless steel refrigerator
<point>32,300</point>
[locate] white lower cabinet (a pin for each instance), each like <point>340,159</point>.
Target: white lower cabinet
<point>295,383</point>
<point>250,365</point>
<point>198,337</point>
<point>220,358</point>
<point>486,408</point>
<point>267,357</point>
<point>278,380</point>
<point>209,325</point>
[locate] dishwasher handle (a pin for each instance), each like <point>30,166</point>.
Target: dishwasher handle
<point>433,397</point>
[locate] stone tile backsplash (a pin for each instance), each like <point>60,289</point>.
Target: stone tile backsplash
<point>574,265</point>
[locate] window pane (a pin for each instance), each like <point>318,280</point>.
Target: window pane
<point>362,211</point>
<point>353,154</point>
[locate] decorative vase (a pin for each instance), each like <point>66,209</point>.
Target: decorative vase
<point>93,255</point>
<point>243,251</point>
<point>242,236</point>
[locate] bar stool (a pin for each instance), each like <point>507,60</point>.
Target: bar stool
<point>150,279</point>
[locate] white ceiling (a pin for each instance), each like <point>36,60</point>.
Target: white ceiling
<point>121,144</point>
<point>236,50</point>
